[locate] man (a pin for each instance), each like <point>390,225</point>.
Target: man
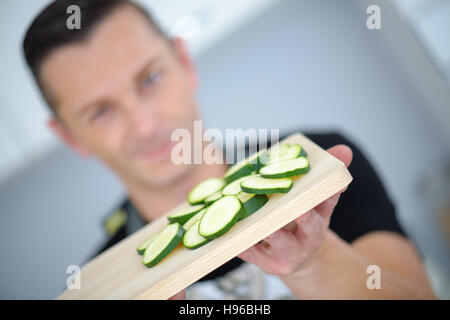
<point>118,87</point>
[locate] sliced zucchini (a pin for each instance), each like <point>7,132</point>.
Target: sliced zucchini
<point>144,244</point>
<point>163,244</point>
<point>239,170</point>
<point>303,153</point>
<point>220,217</point>
<point>213,197</point>
<point>260,185</point>
<point>284,169</point>
<point>258,159</point>
<point>234,187</point>
<point>275,150</point>
<point>247,166</point>
<point>194,219</point>
<point>251,203</point>
<point>192,239</point>
<point>183,214</point>
<point>204,189</point>
<point>283,153</point>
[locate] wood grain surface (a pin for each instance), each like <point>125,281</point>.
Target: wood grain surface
<point>118,273</point>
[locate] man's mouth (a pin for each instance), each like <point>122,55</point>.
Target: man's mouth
<point>160,153</point>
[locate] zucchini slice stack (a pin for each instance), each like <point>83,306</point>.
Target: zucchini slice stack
<point>216,204</point>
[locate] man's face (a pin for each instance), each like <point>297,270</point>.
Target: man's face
<point>120,95</point>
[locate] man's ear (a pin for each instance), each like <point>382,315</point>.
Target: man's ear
<point>185,59</point>
<point>61,131</point>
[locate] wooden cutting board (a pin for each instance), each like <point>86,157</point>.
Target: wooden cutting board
<point>118,273</point>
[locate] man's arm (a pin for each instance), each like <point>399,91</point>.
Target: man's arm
<point>340,270</point>
<point>316,264</point>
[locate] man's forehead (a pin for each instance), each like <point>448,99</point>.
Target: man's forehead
<point>113,51</point>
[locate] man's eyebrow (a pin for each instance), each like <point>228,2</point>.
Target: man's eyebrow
<point>86,107</point>
<point>142,71</point>
<point>140,74</point>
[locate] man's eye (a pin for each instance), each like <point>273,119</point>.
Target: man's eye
<point>152,78</point>
<point>100,112</point>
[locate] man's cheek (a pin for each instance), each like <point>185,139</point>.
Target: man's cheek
<point>111,152</point>
<point>112,142</point>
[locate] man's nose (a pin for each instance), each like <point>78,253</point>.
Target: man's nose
<point>142,119</point>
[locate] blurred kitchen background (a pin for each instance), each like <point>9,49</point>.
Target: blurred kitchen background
<point>310,64</point>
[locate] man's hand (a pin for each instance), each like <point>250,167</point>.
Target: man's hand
<point>297,243</point>
<point>179,296</point>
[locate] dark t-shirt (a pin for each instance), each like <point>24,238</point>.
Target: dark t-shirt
<point>364,207</point>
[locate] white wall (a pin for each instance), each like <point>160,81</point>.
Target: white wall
<point>22,111</point>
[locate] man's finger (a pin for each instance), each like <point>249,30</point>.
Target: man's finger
<point>325,209</point>
<point>291,226</point>
<point>179,296</point>
<point>280,240</point>
<point>304,217</point>
<point>342,152</point>
<point>310,227</point>
<point>255,255</point>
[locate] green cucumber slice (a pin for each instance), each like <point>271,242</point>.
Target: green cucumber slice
<point>283,153</point>
<point>163,244</point>
<point>220,217</point>
<point>258,159</point>
<point>303,153</point>
<point>276,149</point>
<point>284,169</point>
<point>247,166</point>
<point>204,189</point>
<point>192,239</point>
<point>234,187</point>
<point>194,219</point>
<point>213,197</point>
<point>260,185</point>
<point>183,214</point>
<point>239,170</point>
<point>141,248</point>
<point>251,203</point>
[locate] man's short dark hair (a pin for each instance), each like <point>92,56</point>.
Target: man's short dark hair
<point>49,31</point>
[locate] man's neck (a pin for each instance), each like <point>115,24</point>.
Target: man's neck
<point>151,203</point>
